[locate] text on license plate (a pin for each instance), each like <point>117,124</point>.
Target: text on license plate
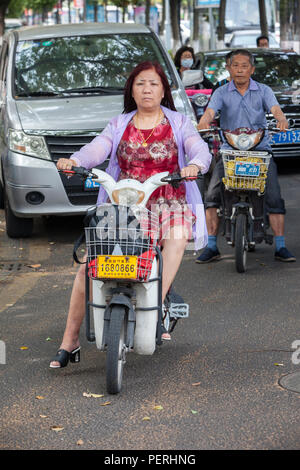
<point>247,169</point>
<point>121,267</point>
<point>288,137</point>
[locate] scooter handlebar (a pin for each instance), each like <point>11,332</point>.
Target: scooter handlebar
<point>78,170</point>
<point>176,178</point>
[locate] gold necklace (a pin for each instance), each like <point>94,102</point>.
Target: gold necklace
<point>144,143</point>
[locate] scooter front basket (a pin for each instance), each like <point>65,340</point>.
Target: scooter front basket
<point>122,247</point>
<point>245,172</point>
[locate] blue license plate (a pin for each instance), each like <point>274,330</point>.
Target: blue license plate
<point>247,169</point>
<point>288,137</point>
<point>90,185</point>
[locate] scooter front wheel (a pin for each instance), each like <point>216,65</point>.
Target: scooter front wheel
<point>241,243</point>
<point>116,349</point>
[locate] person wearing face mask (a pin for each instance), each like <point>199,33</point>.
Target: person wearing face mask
<point>185,60</point>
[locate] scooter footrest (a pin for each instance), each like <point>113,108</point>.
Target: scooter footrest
<point>179,310</point>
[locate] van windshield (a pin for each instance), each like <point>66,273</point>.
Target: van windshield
<point>82,64</point>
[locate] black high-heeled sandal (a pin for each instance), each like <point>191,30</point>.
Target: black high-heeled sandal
<point>63,357</point>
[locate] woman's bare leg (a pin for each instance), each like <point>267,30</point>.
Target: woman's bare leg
<point>76,313</point>
<point>172,253</point>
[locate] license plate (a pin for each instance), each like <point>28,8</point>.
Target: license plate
<point>247,169</point>
<point>121,267</point>
<point>90,185</point>
<point>288,137</point>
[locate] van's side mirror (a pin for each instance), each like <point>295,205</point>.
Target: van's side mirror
<point>192,77</point>
<point>227,44</point>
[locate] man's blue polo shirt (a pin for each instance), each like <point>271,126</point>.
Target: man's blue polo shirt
<point>244,111</point>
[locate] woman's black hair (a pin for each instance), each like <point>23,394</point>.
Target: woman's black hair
<point>177,58</point>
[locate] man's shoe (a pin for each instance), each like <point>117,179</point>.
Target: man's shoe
<point>284,255</point>
<point>208,255</point>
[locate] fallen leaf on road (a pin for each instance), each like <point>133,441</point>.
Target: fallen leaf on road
<point>39,397</point>
<point>276,364</point>
<point>23,348</point>
<point>196,384</point>
<point>43,416</point>
<point>79,442</point>
<point>34,265</point>
<point>56,428</point>
<point>8,305</point>
<point>146,418</point>
<point>158,407</point>
<point>48,339</point>
<point>105,403</point>
<point>92,395</point>
<point>194,412</point>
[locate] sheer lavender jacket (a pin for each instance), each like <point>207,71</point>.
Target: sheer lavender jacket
<point>189,144</point>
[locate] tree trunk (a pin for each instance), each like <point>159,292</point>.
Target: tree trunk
<point>285,27</point>
<point>297,28</point>
<point>105,11</point>
<point>3,6</point>
<point>147,13</point>
<point>96,12</point>
<point>175,24</point>
<point>221,27</point>
<point>263,18</point>
<point>163,18</point>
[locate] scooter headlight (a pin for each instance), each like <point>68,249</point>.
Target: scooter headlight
<point>32,145</point>
<point>128,196</point>
<point>200,100</point>
<point>243,141</point>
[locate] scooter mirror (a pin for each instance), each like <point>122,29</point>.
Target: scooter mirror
<point>192,77</point>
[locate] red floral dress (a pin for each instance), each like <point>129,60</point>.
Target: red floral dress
<point>160,154</point>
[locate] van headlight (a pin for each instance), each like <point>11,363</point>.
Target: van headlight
<point>127,196</point>
<point>32,145</point>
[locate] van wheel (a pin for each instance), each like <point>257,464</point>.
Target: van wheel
<point>16,227</point>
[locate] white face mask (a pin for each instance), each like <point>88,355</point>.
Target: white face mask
<point>187,63</point>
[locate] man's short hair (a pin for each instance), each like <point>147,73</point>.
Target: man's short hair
<point>227,57</point>
<point>244,52</point>
<point>261,37</point>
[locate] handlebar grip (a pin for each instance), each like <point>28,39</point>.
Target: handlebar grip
<point>176,178</point>
<point>81,171</point>
<point>77,170</point>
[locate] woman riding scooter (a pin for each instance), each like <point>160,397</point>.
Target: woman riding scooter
<point>149,137</point>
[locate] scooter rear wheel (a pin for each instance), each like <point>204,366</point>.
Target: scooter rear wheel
<point>115,356</point>
<point>241,243</point>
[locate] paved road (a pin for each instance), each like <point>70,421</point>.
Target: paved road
<point>216,384</point>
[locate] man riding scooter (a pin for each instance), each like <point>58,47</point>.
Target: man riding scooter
<point>243,102</point>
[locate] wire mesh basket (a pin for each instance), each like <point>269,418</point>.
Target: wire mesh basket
<point>125,251</point>
<point>246,172</point>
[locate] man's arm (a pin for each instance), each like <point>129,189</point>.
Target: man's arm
<point>282,122</point>
<point>206,119</point>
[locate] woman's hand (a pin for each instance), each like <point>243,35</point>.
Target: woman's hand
<point>65,164</point>
<point>190,170</point>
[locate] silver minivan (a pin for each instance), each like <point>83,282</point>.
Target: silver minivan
<point>59,87</point>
